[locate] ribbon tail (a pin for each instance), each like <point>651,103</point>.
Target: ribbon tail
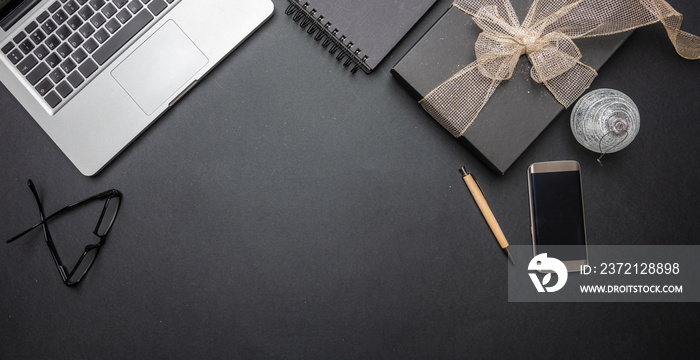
<point>570,85</point>
<point>687,45</point>
<point>456,103</point>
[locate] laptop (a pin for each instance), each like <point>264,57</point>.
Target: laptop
<point>94,74</point>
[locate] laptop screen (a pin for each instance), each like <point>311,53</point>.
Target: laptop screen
<point>12,11</point>
<point>4,3</point>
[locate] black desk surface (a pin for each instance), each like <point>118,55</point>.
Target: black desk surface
<point>288,209</point>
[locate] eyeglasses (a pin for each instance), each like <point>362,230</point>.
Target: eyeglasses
<point>112,200</point>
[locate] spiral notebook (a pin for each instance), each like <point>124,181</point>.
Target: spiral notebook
<point>359,32</point>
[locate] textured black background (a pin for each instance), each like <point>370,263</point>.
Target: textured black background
<point>287,209</point>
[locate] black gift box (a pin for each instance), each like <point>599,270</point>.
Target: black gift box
<point>520,108</point>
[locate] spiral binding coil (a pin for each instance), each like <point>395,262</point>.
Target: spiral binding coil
<point>313,24</point>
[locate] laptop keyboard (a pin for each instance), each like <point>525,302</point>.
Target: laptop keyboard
<point>69,43</point>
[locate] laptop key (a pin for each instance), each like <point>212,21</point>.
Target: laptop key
<point>97,4</point>
<point>64,89</point>
<point>6,49</point>
<point>67,66</point>
<point>87,68</point>
<point>33,25</point>
<point>56,76</point>
<point>41,52</point>
<point>52,99</point>
<point>15,56</point>
<point>87,30</point>
<point>53,60</point>
<point>71,7</point>
<point>75,22</point>
<point>134,6</point>
<point>124,16</point>
<point>27,64</point>
<point>75,40</point>
<point>101,35</point>
<point>75,79</point>
<point>60,17</point>
<point>109,10</point>
<point>38,73</point>
<point>64,50</point>
<point>63,32</point>
<point>44,86</point>
<point>43,16</point>
<point>49,26</point>
<point>90,45</point>
<point>55,6</point>
<point>112,25</point>
<point>37,36</point>
<point>85,12</point>
<point>52,42</point>
<point>19,37</point>
<point>97,20</point>
<point>26,46</point>
<point>157,6</point>
<point>120,3</point>
<point>111,46</point>
<point>79,55</point>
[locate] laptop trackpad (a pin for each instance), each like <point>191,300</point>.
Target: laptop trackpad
<point>161,66</point>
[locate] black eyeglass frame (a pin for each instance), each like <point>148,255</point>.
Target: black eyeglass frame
<point>67,276</point>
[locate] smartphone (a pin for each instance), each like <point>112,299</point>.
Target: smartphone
<point>557,218</point>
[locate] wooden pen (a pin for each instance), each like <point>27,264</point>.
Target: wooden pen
<point>478,195</point>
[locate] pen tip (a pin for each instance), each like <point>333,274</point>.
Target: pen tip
<point>510,255</point>
<point>463,171</point>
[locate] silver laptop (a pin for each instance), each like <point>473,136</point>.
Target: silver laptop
<point>96,73</point>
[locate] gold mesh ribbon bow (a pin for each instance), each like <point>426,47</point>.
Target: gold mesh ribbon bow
<point>546,37</point>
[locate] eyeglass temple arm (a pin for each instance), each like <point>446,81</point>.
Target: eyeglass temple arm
<point>42,222</point>
<point>47,233</point>
<point>111,192</point>
<point>52,247</point>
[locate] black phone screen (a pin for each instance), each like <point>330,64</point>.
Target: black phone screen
<point>557,209</point>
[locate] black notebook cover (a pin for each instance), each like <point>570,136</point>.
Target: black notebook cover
<point>360,32</point>
<point>519,109</point>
